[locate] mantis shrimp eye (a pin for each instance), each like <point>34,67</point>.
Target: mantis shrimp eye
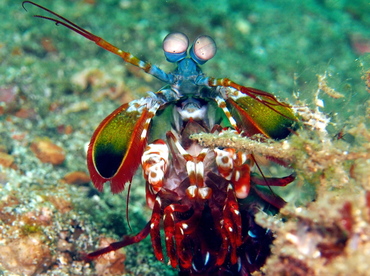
<point>175,46</point>
<point>203,49</point>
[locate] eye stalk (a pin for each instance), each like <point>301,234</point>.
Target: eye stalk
<point>203,49</point>
<point>175,46</point>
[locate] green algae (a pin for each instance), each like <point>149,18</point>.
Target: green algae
<point>277,46</point>
<point>30,229</point>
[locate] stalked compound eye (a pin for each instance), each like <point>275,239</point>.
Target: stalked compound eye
<point>203,49</point>
<point>175,46</point>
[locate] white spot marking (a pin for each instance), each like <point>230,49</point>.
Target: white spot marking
<point>204,192</point>
<point>158,200</point>
<point>190,167</point>
<point>237,176</point>
<point>143,134</point>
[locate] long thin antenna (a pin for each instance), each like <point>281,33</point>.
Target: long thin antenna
<point>126,56</point>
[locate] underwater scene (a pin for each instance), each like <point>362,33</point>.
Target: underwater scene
<point>205,176</point>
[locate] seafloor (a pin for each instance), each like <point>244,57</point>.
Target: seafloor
<point>55,88</point>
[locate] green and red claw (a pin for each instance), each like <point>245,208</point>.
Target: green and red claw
<point>116,147</point>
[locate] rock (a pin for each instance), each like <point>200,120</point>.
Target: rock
<point>48,152</point>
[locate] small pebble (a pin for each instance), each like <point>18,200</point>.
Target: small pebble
<point>48,152</point>
<point>76,178</point>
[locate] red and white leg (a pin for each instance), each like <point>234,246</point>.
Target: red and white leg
<point>174,231</point>
<point>233,166</point>
<point>155,235</point>
<point>178,233</point>
<point>232,223</point>
<point>154,162</point>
